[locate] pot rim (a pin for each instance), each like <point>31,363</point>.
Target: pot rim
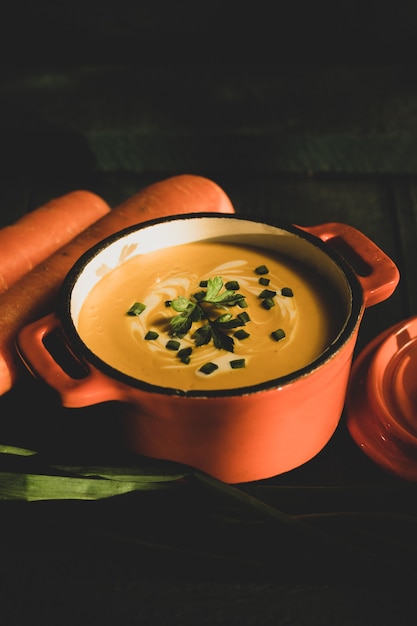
<point>63,311</point>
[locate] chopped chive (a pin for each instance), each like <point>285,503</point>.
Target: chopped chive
<point>136,309</point>
<point>261,269</point>
<point>287,291</point>
<point>233,285</point>
<point>208,368</point>
<point>185,351</point>
<point>268,303</point>
<point>278,334</point>
<point>241,334</point>
<point>203,283</point>
<point>242,303</point>
<point>243,317</point>
<point>151,334</point>
<point>168,303</point>
<point>267,293</point>
<point>264,281</point>
<point>237,364</point>
<point>172,344</point>
<point>184,354</point>
<point>199,295</point>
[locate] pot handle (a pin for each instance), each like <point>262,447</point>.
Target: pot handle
<point>46,353</point>
<point>376,272</point>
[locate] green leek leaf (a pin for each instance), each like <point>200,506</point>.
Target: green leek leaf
<point>35,487</point>
<point>5,449</point>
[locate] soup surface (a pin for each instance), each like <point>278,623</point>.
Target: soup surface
<point>153,318</point>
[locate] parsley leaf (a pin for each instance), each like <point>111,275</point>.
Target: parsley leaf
<point>181,304</point>
<point>214,295</point>
<point>203,335</point>
<point>222,340</point>
<point>214,286</point>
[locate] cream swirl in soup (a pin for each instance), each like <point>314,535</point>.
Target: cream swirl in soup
<point>276,335</point>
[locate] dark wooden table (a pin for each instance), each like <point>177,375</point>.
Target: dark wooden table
<point>302,144</point>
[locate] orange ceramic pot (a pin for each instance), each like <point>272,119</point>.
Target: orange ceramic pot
<point>236,435</point>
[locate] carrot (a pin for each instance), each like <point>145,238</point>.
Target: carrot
<point>34,295</point>
<point>38,234</point>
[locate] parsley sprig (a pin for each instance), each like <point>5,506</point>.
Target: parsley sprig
<point>203,307</point>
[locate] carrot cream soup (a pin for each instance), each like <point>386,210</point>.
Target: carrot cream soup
<point>210,315</point>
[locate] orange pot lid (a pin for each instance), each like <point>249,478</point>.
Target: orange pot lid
<point>381,402</point>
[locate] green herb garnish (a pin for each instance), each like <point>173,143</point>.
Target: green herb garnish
<point>203,306</point>
<point>237,364</point>
<point>136,309</point>
<point>208,368</point>
<point>278,334</point>
<point>184,355</point>
<point>206,316</point>
<point>264,281</point>
<point>244,317</point>
<point>215,295</point>
<point>172,344</point>
<point>241,334</point>
<point>268,303</point>
<point>267,293</point>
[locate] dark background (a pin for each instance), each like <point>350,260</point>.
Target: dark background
<point>303,112</point>
<point>216,31</point>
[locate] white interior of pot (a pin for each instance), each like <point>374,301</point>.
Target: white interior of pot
<point>202,228</point>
